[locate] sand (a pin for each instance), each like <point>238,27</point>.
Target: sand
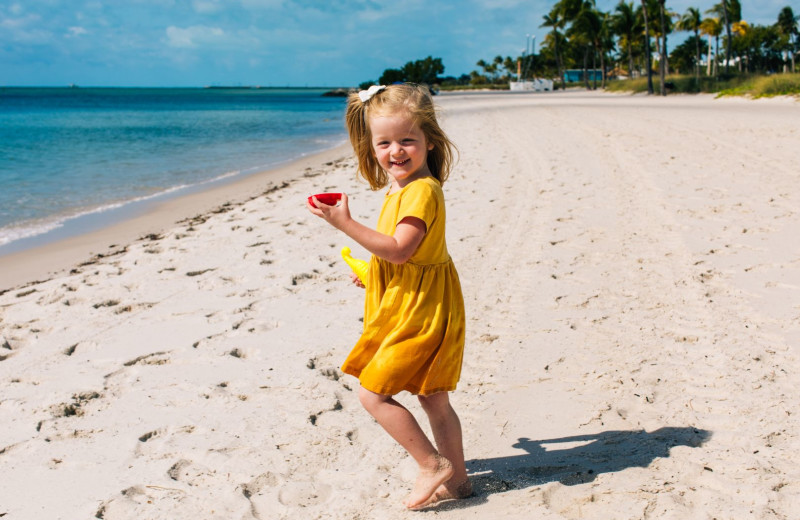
<point>631,272</point>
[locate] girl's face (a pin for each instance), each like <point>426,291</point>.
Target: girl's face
<point>400,147</point>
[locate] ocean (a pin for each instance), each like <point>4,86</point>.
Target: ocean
<point>75,157</point>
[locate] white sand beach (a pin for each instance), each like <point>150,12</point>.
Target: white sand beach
<point>631,271</point>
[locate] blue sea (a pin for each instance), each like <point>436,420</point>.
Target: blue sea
<point>68,154</point>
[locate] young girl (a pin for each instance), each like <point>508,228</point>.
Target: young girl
<point>413,337</point>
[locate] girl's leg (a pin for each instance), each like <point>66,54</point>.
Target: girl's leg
<point>398,422</point>
<point>446,428</point>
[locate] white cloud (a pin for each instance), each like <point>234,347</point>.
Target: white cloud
<point>372,15</point>
<point>193,36</point>
<point>262,4</point>
<point>20,23</point>
<point>74,32</point>
<point>25,30</point>
<point>207,6</point>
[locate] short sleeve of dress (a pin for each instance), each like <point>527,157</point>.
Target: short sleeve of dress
<point>419,200</point>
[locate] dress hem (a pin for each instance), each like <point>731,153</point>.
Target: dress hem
<point>386,390</point>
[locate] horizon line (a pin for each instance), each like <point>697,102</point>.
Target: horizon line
<point>210,87</point>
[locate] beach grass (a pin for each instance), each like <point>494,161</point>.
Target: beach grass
<point>751,86</point>
<point>767,86</point>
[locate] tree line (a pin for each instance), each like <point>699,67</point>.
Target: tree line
<point>632,40</point>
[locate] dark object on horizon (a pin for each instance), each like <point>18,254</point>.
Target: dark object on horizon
<point>339,92</point>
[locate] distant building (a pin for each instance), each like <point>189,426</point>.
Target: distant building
<point>537,85</point>
<point>575,75</point>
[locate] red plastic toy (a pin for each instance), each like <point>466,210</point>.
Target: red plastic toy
<point>329,199</point>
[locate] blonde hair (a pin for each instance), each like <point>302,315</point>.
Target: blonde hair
<point>415,100</point>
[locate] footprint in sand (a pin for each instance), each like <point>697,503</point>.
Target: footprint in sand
<point>303,494</point>
<point>5,349</point>
<point>76,407</point>
<point>261,482</point>
<point>154,358</point>
<point>160,437</point>
<point>261,492</point>
<point>189,472</point>
<point>82,347</point>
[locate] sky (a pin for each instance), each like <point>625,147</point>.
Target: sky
<point>327,43</point>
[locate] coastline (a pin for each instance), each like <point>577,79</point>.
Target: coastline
<point>630,273</point>
<point>42,262</point>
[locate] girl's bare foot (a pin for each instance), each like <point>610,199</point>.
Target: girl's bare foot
<point>454,491</point>
<point>449,491</point>
<point>428,481</point>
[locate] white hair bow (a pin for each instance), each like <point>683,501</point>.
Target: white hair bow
<point>366,95</point>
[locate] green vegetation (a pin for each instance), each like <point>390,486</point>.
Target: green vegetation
<point>735,85</point>
<point>420,71</point>
<point>766,86</point>
<point>683,84</point>
<point>724,54</point>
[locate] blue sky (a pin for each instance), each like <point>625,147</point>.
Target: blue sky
<point>267,42</point>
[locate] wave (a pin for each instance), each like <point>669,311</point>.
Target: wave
<point>36,228</point>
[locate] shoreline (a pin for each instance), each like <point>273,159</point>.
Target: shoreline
<point>630,276</point>
<point>42,262</point>
<point>47,258</point>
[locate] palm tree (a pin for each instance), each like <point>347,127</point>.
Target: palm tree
<point>649,59</point>
<point>555,20</point>
<point>740,31</point>
<point>497,63</point>
<point>662,63</point>
<point>510,65</point>
<point>571,8</point>
<point>787,27</point>
<point>727,13</point>
<point>723,12</point>
<point>691,21</point>
<point>489,70</point>
<point>606,41</point>
<point>734,11</point>
<point>626,24</point>
<point>712,27</point>
<point>586,30</point>
<point>579,41</point>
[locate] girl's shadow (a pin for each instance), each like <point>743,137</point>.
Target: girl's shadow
<point>573,460</point>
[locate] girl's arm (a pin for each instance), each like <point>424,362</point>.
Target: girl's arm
<point>397,248</point>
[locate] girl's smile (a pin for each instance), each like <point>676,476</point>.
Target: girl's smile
<point>400,147</point>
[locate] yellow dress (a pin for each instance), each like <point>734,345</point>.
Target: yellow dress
<point>414,320</point>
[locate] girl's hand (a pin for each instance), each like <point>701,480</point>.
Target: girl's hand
<point>356,280</point>
<point>396,248</point>
<point>336,216</point>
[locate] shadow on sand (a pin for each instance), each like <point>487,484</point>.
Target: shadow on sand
<point>572,460</point>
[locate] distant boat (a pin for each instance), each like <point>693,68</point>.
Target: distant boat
<point>339,92</point>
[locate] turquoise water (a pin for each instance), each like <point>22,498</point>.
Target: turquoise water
<point>71,152</point>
